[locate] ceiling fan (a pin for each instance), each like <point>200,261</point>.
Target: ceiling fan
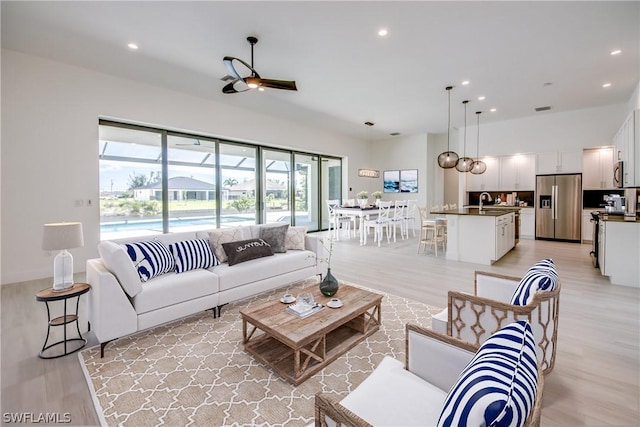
<point>241,84</point>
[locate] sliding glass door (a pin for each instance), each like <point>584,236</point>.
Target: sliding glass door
<point>239,186</point>
<point>276,185</point>
<point>306,197</point>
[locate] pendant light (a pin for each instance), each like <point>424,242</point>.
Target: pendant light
<point>465,163</point>
<point>448,159</point>
<point>479,167</point>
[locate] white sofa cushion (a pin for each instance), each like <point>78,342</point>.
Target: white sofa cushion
<point>232,276</point>
<point>393,396</point>
<point>223,235</point>
<point>498,387</point>
<point>170,289</point>
<point>118,262</point>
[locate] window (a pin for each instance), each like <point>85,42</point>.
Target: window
<point>155,181</point>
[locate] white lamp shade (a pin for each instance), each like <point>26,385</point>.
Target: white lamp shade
<point>63,235</point>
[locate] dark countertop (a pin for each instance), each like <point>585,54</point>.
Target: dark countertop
<point>486,211</point>
<point>617,218</point>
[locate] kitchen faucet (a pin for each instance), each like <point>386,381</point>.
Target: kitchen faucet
<point>482,195</point>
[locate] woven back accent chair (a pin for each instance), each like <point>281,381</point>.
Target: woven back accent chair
<point>446,381</point>
<point>473,318</point>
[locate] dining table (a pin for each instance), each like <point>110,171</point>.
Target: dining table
<point>358,212</point>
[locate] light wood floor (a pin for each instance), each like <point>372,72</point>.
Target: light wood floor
<point>596,380</point>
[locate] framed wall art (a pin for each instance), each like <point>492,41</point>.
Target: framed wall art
<point>391,181</point>
<point>409,181</point>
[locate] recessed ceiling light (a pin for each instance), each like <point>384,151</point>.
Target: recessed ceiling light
<point>261,89</point>
<point>132,46</point>
<point>493,110</point>
<point>383,32</point>
<point>606,85</point>
<point>481,98</point>
<point>466,82</point>
<point>616,52</point>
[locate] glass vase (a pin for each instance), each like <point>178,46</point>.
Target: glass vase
<point>329,285</point>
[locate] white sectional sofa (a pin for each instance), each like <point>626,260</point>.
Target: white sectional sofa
<point>121,304</point>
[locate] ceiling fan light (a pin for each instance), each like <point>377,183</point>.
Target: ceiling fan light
<point>252,82</point>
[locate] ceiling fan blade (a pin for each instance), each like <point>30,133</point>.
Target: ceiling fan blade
<point>278,84</point>
<point>228,62</point>
<point>235,86</point>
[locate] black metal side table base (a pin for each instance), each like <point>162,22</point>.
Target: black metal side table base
<point>42,356</point>
<point>48,295</point>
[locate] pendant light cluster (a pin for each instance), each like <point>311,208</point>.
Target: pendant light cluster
<point>450,159</point>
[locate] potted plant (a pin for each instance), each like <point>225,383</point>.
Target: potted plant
<point>377,195</point>
<point>363,198</point>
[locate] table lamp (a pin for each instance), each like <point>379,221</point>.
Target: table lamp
<point>62,236</point>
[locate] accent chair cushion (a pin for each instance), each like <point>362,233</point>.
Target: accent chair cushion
<point>295,237</point>
<point>193,254</point>
<point>275,236</point>
<point>542,276</point>
<point>246,250</point>
<point>221,236</point>
<point>499,386</point>
<point>150,259</point>
<point>118,262</point>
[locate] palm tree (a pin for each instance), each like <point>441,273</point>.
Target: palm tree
<point>230,182</point>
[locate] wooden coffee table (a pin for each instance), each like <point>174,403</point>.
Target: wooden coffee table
<point>298,348</point>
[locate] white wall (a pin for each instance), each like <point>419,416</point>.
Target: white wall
<point>634,101</point>
<point>400,152</point>
<point>546,132</point>
<point>49,154</point>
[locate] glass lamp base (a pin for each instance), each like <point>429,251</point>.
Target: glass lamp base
<point>62,271</point>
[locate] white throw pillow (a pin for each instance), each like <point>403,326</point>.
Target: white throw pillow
<point>223,235</point>
<point>295,238</point>
<point>119,264</point>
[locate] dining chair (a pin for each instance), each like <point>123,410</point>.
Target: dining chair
<point>398,220</point>
<point>431,231</point>
<point>337,221</point>
<point>379,224</point>
<point>410,217</point>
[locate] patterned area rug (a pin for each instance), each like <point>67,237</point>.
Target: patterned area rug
<point>195,372</point>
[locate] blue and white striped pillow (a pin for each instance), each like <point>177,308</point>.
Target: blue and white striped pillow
<point>542,276</point>
<point>193,254</point>
<point>150,258</point>
<point>498,387</point>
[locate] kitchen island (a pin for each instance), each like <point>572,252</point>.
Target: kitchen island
<point>481,237</point>
<point>619,250</point>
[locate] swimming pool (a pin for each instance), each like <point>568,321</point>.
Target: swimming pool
<point>156,224</point>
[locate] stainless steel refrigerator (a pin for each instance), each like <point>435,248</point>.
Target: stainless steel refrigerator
<point>559,207</point>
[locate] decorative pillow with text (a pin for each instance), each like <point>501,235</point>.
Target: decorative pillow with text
<point>246,250</point>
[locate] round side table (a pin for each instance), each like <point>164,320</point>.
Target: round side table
<point>48,295</point>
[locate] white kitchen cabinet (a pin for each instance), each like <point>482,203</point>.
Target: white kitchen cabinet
<point>597,168</point>
<point>488,181</point>
<point>527,223</point>
<point>518,173</point>
<point>565,161</point>
<point>627,146</point>
<point>505,235</point>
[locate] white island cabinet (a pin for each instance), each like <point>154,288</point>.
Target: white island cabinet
<point>619,251</point>
<point>481,238</point>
